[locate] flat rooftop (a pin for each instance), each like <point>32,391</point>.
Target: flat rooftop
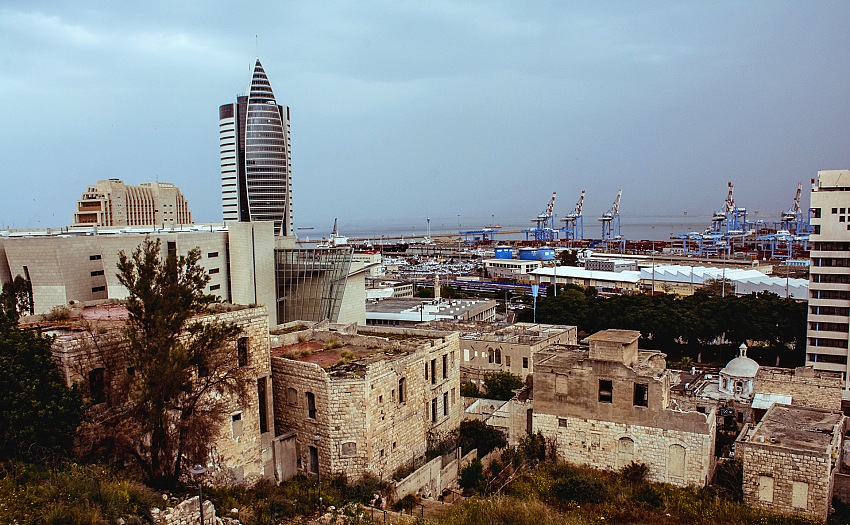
<point>615,335</point>
<point>796,428</point>
<point>525,333</point>
<point>571,356</point>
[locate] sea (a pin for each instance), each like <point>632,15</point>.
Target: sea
<point>632,228</point>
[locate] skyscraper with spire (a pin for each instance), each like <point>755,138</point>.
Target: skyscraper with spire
<point>256,177</point>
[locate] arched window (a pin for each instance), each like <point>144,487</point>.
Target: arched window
<point>676,461</point>
<point>625,451</point>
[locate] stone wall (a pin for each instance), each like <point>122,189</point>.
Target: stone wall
<point>841,488</point>
<point>430,479</point>
<point>609,446</point>
<point>765,463</point>
<point>806,387</point>
<point>82,348</point>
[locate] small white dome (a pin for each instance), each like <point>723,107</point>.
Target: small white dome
<point>741,366</point>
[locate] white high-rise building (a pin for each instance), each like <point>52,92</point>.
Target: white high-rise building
<point>256,176</point>
<point>829,281</point>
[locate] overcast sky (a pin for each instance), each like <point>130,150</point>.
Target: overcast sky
<point>405,109</point>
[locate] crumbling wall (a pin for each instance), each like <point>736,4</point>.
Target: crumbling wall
<point>806,387</point>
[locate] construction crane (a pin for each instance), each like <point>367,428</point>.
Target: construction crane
<point>793,213</point>
<point>544,223</point>
<point>611,223</point>
<point>574,221</point>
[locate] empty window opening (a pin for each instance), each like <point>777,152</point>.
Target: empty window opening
<point>311,405</point>
<point>263,404</point>
<point>242,351</point>
<point>606,391</point>
<point>97,385</point>
<point>236,425</point>
<point>641,395</point>
<point>401,390</point>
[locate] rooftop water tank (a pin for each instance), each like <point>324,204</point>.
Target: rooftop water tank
<point>504,252</point>
<point>528,254</point>
<point>546,254</point>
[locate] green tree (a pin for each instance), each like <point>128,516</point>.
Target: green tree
<point>500,385</point>
<point>38,413</point>
<point>476,434</point>
<point>568,258</point>
<point>16,298</point>
<point>186,370</point>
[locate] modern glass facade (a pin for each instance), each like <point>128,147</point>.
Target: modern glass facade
<point>256,181</point>
<point>310,283</point>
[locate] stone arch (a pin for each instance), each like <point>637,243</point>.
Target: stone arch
<point>625,451</point>
<point>676,457</point>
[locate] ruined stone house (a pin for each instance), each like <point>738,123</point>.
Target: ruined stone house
<point>608,404</point>
<point>498,347</point>
<point>791,459</point>
<point>88,348</point>
<point>362,401</point>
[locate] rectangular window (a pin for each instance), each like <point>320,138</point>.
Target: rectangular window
<point>214,287</point>
<point>97,289</point>
<point>641,395</point>
<point>445,403</point>
<point>236,425</point>
<point>263,404</point>
<point>434,409</point>
<point>96,273</point>
<point>507,360</point>
<point>452,364</point>
<point>606,391</point>
<point>314,459</point>
<point>426,371</point>
<point>799,494</point>
<point>214,271</point>
<point>311,405</point>
<point>445,366</point>
<point>401,392</point>
<point>94,257</point>
<point>171,247</point>
<point>212,255</point>
<point>562,422</point>
<point>765,489</point>
<point>433,371</point>
<point>242,351</point>
<point>525,362</point>
<point>97,385</point>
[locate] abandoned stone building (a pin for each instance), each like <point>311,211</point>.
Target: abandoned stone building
<point>742,391</point>
<point>362,400</point>
<point>497,347</point>
<point>791,458</point>
<point>609,404</point>
<point>88,348</point>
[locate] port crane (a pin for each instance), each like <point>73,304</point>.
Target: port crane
<point>574,221</point>
<point>611,225</point>
<point>544,224</point>
<point>730,217</point>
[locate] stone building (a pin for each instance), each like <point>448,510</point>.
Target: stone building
<point>88,349</point>
<point>790,459</point>
<point>496,347</point>
<point>362,401</point>
<point>609,404</point>
<point>113,203</point>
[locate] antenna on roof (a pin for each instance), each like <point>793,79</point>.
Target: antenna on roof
<point>257,41</point>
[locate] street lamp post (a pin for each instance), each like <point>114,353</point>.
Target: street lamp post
<point>197,470</point>
<point>316,440</point>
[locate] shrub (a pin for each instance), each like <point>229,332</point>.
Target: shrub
<point>472,477</point>
<point>474,433</point>
<point>648,494</point>
<point>59,313</point>
<point>333,343</point>
<point>469,389</point>
<point>635,472</point>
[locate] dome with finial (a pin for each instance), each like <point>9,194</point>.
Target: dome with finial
<point>741,366</point>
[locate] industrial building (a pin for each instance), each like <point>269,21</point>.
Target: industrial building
<point>604,282</point>
<point>828,345</point>
<point>410,312</point>
<point>113,203</point>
